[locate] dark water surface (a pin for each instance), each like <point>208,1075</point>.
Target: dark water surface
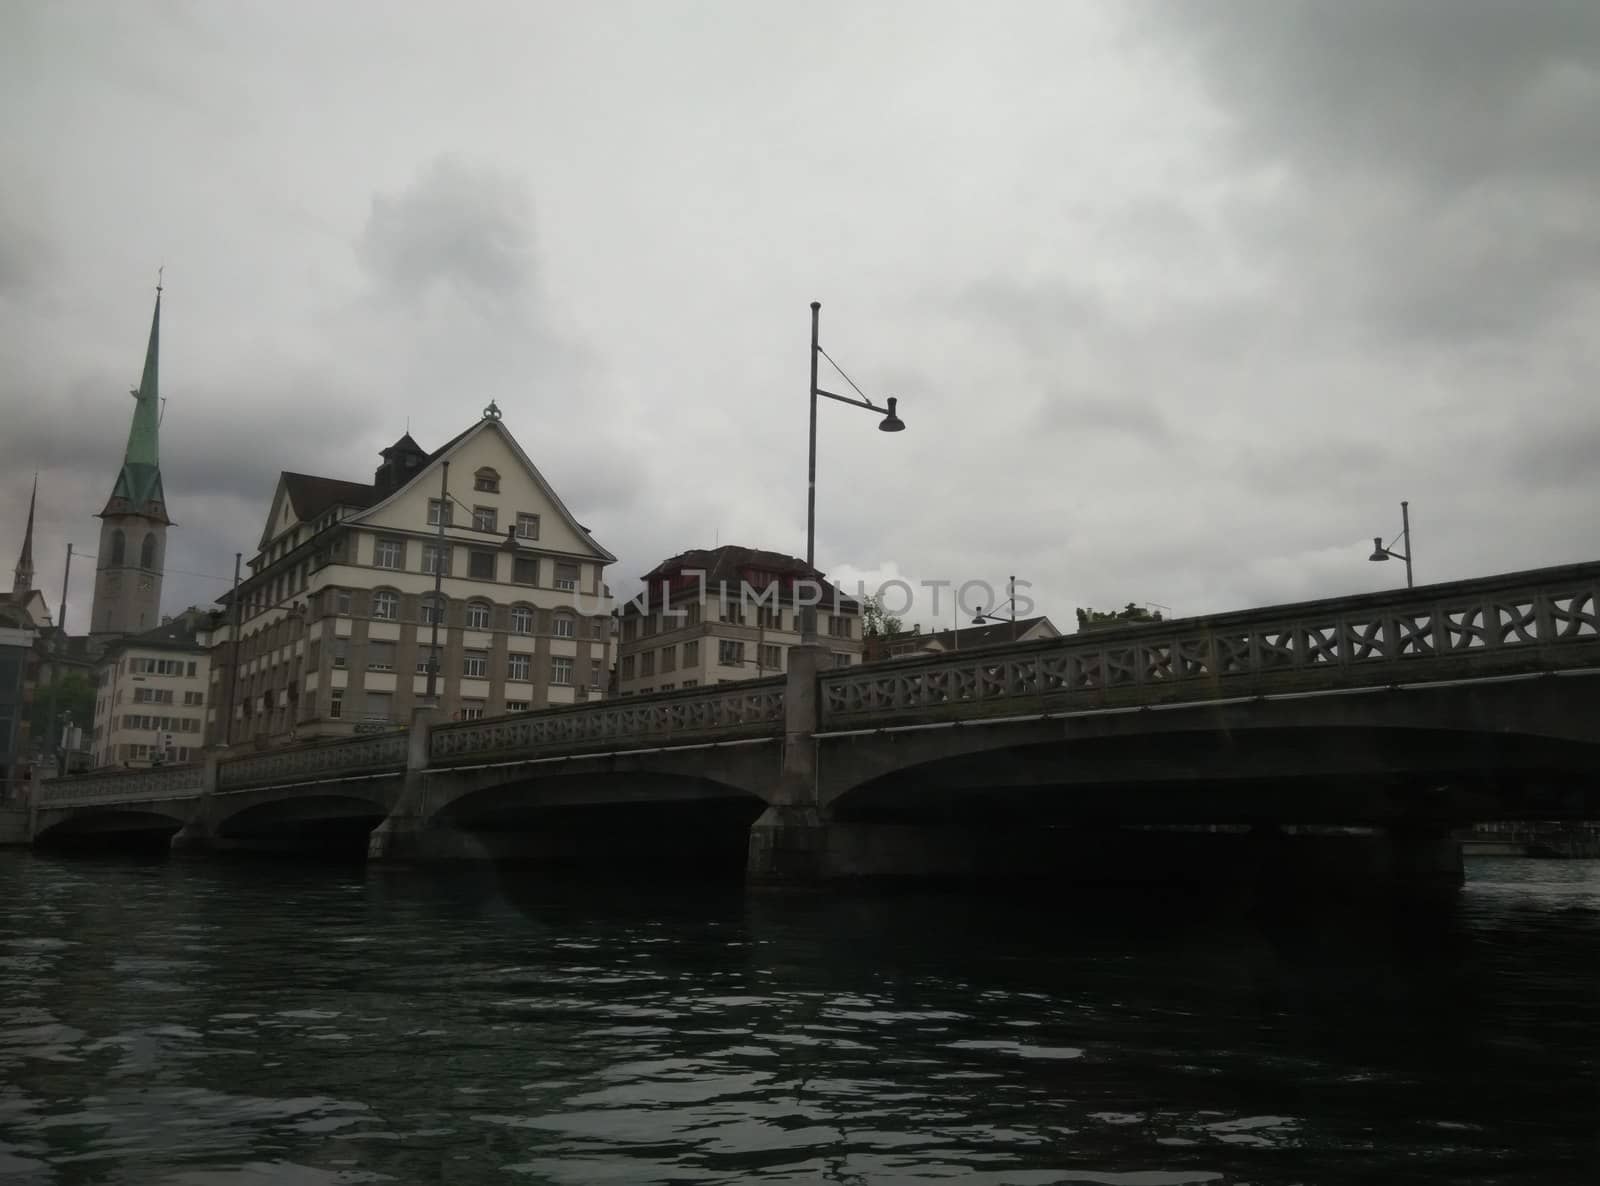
<point>260,1024</point>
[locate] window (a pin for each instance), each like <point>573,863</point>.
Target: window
<point>630,629</point>
<point>691,653</point>
<point>691,614</point>
<point>525,570</point>
<point>566,626</point>
<point>666,687</point>
<point>424,661</point>
<point>772,657</point>
<point>597,628</point>
<point>194,699</point>
<point>436,559</point>
<point>645,691</point>
<point>485,519</point>
<point>389,553</point>
<point>730,653</point>
<point>521,620</point>
<point>517,666</point>
<point>838,626</point>
<point>341,601</point>
<point>380,656</point>
<point>119,547</point>
<point>438,507</point>
<point>431,611</point>
<point>486,480</point>
<point>841,660</point>
<point>472,710</point>
<point>561,672</point>
<point>341,652</point>
<point>147,551</point>
<point>770,617</point>
<point>596,675</point>
<point>152,695</point>
<point>566,576</point>
<point>385,605</point>
<point>691,683</point>
<point>669,659</point>
<point>627,667</point>
<point>649,625</point>
<point>336,704</point>
<point>647,663</point>
<point>527,526</point>
<point>189,669</point>
<point>733,612</point>
<point>477,615</point>
<point>516,706</point>
<point>475,664</point>
<point>480,565</point>
<point>379,705</point>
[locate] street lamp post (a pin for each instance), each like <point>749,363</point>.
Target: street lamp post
<point>890,423</point>
<point>1011,602</point>
<point>1381,553</point>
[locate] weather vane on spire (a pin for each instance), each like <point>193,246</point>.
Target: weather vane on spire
<point>159,271</point>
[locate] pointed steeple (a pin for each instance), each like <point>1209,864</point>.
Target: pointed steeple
<point>138,486</point>
<point>23,580</point>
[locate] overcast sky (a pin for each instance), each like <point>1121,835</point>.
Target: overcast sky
<point>1179,300</point>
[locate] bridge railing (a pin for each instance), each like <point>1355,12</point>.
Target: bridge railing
<point>1531,621</point>
<point>369,753</point>
<point>123,786</point>
<point>744,709</point>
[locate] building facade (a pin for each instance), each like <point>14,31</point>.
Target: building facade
<point>134,522</point>
<point>714,616</point>
<point>150,696</point>
<point>17,675</point>
<point>338,621</point>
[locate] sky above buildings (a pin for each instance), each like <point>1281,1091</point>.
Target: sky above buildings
<point>1179,301</point>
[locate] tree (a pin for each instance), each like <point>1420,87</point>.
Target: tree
<point>877,622</point>
<point>74,693</point>
<point>1093,619</point>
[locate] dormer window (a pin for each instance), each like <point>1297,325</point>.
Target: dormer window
<point>487,480</point>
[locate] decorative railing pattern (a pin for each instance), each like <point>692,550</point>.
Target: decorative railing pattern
<point>1527,621</point>
<point>123,786</point>
<point>348,755</point>
<point>741,709</point>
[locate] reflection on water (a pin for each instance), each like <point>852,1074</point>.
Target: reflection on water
<point>164,1023</point>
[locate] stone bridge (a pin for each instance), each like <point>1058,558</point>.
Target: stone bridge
<point>1409,712</point>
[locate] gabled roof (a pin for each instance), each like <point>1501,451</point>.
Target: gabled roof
<point>442,453</point>
<point>175,635</point>
<point>310,496</point>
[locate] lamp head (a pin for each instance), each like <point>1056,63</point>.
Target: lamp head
<point>1379,552</point>
<point>891,422</point>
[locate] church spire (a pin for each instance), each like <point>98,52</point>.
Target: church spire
<point>23,580</point>
<point>138,485</point>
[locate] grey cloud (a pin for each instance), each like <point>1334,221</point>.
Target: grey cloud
<point>1127,417</point>
<point>457,226</point>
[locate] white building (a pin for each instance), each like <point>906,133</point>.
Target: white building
<point>712,616</point>
<point>338,615</point>
<point>151,693</point>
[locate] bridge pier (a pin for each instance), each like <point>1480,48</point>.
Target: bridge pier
<point>408,836</point>
<point>198,836</point>
<point>788,842</point>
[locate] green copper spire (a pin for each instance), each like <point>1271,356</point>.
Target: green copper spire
<point>138,486</point>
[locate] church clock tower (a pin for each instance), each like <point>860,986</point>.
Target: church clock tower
<point>133,525</point>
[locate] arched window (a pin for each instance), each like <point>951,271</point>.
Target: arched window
<point>119,546</point>
<point>521,619</point>
<point>147,551</point>
<point>486,479</point>
<point>432,611</point>
<point>566,626</point>
<point>477,615</point>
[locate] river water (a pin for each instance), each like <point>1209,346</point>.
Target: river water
<point>265,1024</point>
